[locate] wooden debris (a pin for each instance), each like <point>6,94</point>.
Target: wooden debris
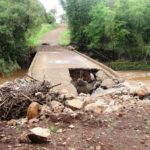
<point>17,95</point>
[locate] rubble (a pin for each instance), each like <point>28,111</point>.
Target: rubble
<point>93,107</point>
<point>35,135</point>
<point>16,96</point>
<point>101,76</point>
<point>45,110</point>
<point>74,104</point>
<point>108,83</point>
<point>57,107</point>
<point>51,114</point>
<point>38,99</point>
<point>140,90</point>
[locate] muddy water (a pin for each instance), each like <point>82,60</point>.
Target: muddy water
<point>131,76</point>
<point>16,74</point>
<point>136,76</point>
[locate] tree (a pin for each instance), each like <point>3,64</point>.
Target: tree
<point>16,19</point>
<point>50,17</point>
<point>78,18</point>
<point>122,27</point>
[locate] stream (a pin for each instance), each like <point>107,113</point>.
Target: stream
<point>136,76</point>
<point>17,74</point>
<point>130,76</point>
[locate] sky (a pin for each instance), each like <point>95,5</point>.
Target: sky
<point>50,4</point>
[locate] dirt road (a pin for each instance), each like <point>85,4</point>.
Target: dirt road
<point>53,37</point>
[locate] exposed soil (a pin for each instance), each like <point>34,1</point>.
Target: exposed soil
<point>53,37</point>
<point>128,129</point>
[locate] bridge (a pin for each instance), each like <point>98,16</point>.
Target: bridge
<point>53,62</point>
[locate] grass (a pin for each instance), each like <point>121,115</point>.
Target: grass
<point>111,125</point>
<point>34,39</point>
<point>38,147</point>
<point>52,128</point>
<point>128,65</point>
<point>65,38</point>
<point>147,125</point>
<point>18,128</point>
<point>7,68</point>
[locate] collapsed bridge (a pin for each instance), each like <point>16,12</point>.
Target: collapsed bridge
<point>59,65</point>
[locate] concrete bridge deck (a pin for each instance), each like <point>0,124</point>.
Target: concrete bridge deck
<point>52,63</point>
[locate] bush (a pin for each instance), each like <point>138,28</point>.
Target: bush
<point>121,26</point>
<point>65,38</point>
<point>6,68</point>
<point>78,19</point>
<point>34,39</point>
<point>128,65</point>
<point>17,18</point>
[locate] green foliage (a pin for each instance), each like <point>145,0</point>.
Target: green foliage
<point>128,65</point>
<point>78,18</point>
<point>6,68</point>
<point>34,39</point>
<point>17,18</point>
<point>65,38</point>
<point>122,26</point>
<point>63,18</point>
<point>100,29</point>
<point>52,128</point>
<point>50,18</point>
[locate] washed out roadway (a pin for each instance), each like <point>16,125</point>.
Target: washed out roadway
<point>52,62</point>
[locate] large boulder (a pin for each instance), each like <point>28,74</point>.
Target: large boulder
<point>74,104</point>
<point>139,90</point>
<point>33,110</point>
<point>93,108</point>
<point>97,107</point>
<point>101,75</point>
<point>108,83</point>
<point>81,86</point>
<point>35,135</point>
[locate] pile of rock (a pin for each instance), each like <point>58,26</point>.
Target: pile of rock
<point>88,80</point>
<point>104,101</point>
<point>40,99</point>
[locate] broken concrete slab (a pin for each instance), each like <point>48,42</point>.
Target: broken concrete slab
<point>74,104</point>
<point>35,135</point>
<point>100,76</point>
<point>108,83</point>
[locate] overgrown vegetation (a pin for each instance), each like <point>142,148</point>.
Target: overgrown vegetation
<point>78,19</point>
<point>117,29</point>
<point>7,67</point>
<point>129,65</point>
<point>65,38</point>
<point>18,20</point>
<point>34,39</point>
